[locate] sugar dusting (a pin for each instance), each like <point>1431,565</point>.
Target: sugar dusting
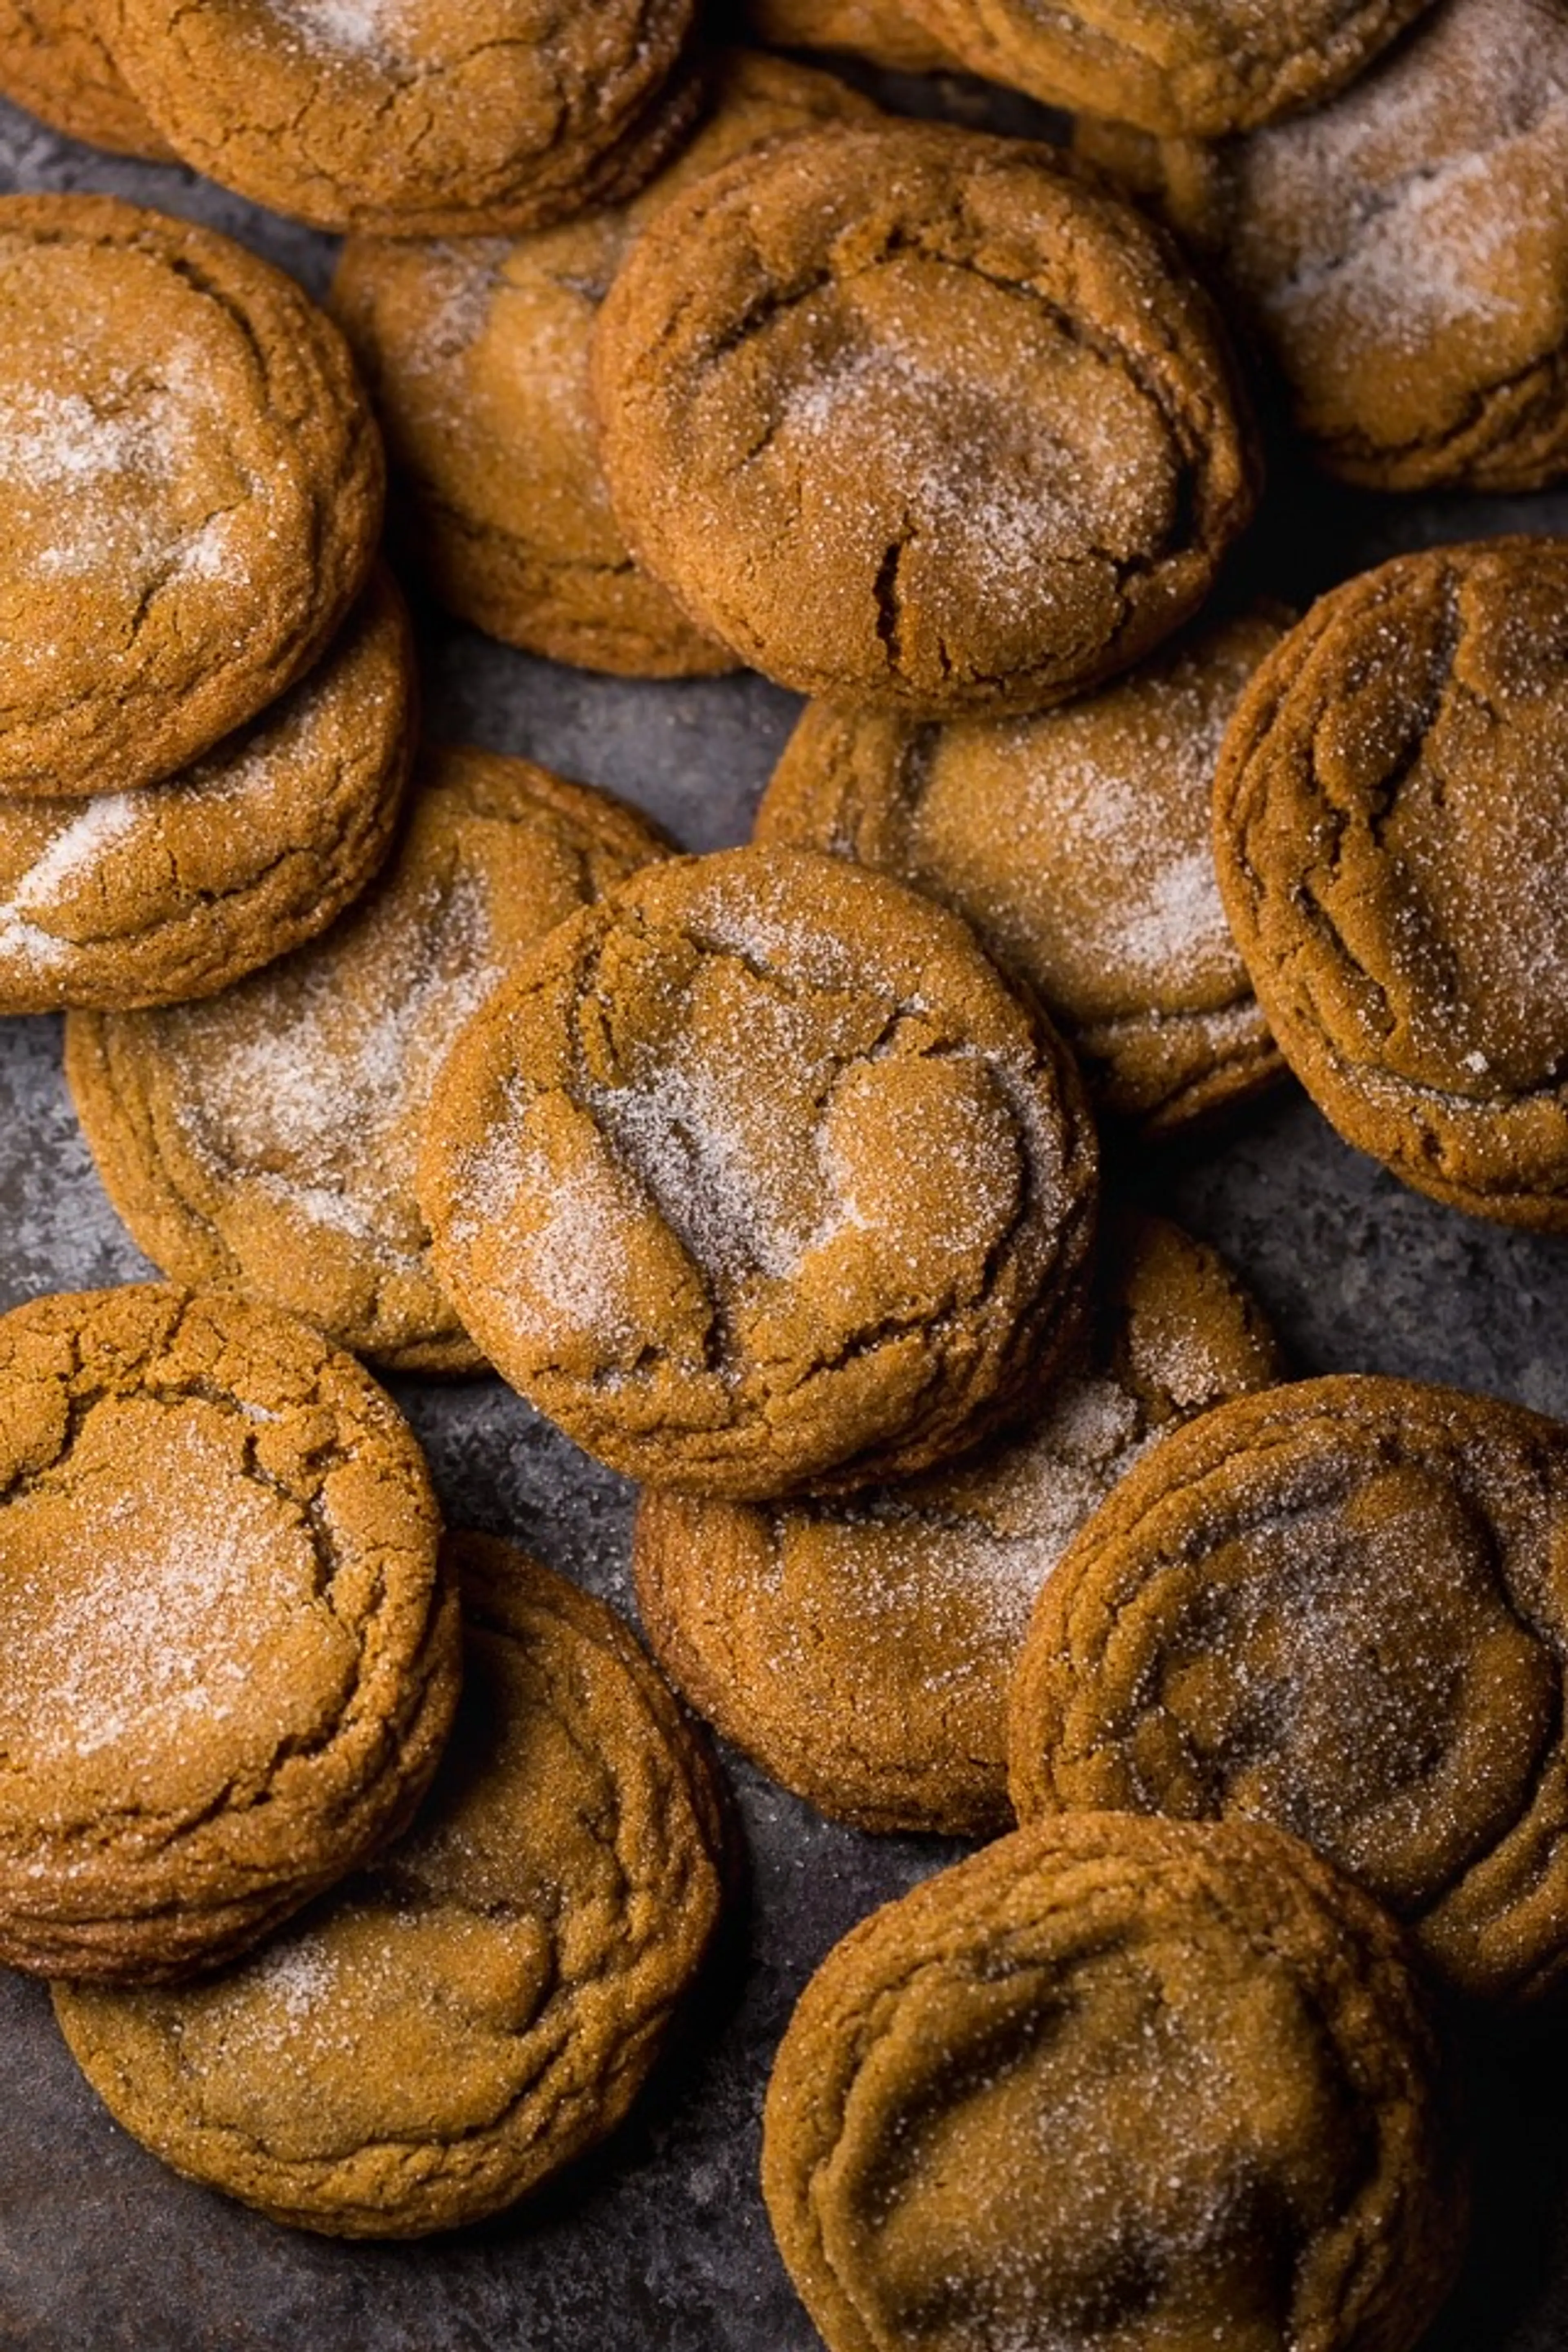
<point>310,1081</point>
<point>368,29</point>
<point>1397,200</point>
<point>159,1630</point>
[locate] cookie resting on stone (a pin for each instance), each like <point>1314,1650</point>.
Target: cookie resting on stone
<point>227,1656</point>
<point>860,1650</point>
<point>1117,2085</point>
<point>754,1175</point>
<point>1341,1606</point>
<point>1391,835</point>
<point>908,414</point>
<point>452,2025</point>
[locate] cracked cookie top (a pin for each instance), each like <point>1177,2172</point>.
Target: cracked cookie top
<point>450,2026</point>
<point>1341,1606</point>
<point>1117,2085</point>
<point>191,482</point>
<point>265,1138</point>
<point>1391,833</point>
<point>861,1650</point>
<point>180,888</point>
<point>910,415</point>
<point>1402,254</point>
<point>1076,843</point>
<point>227,1659</point>
<point>477,353</point>
<point>414,117</point>
<point>1196,68</point>
<point>754,1175</point>
<point>54,62</point>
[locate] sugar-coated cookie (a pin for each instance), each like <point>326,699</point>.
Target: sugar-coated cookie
<point>1341,1606</point>
<point>452,2025</point>
<point>1121,2084</point>
<point>754,1175</point>
<point>191,481</point>
<point>53,61</point>
<point>912,415</point>
<point>227,1658</point>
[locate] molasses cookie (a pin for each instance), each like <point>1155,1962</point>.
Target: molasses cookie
<point>180,888</point>
<point>909,416</point>
<point>1198,68</point>
<point>447,2028</point>
<point>477,355</point>
<point>1403,255</point>
<point>1341,1606</point>
<point>414,117</point>
<point>755,1175</point>
<point>1077,844</point>
<point>53,61</point>
<point>266,1138</point>
<point>1116,2084</point>
<point>860,1651</point>
<point>1391,840</point>
<point>227,1661</point>
<point>191,483</point>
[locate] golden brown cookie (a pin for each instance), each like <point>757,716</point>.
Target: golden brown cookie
<point>266,1138</point>
<point>1117,2085</point>
<point>54,62</point>
<point>191,483</point>
<point>414,117</point>
<point>910,415</point>
<point>180,888</point>
<point>860,1651</point>
<point>447,2028</point>
<point>227,1659</point>
<point>754,1175</point>
<point>1392,839</point>
<point>1197,68</point>
<point>477,355</point>
<point>1077,844</point>
<point>1341,1606</point>
<point>1403,255</point>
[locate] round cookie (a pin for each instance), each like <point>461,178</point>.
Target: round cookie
<point>754,1175</point>
<point>1403,255</point>
<point>1391,840</point>
<point>860,1651</point>
<point>909,416</point>
<point>227,1659</point>
<point>192,486</point>
<point>54,62</point>
<point>266,1138</point>
<point>414,117</point>
<point>1191,68</point>
<point>1341,1606</point>
<point>447,2028</point>
<point>1117,2085</point>
<point>477,355</point>
<point>1077,844</point>
<point>180,888</point>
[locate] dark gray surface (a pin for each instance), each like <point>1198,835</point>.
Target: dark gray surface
<point>661,2240</point>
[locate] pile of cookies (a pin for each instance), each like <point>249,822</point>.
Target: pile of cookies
<point>771,1177</point>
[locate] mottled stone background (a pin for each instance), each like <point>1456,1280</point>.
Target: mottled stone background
<point>661,2241</point>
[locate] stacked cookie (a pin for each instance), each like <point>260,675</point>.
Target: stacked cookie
<point>208,696</point>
